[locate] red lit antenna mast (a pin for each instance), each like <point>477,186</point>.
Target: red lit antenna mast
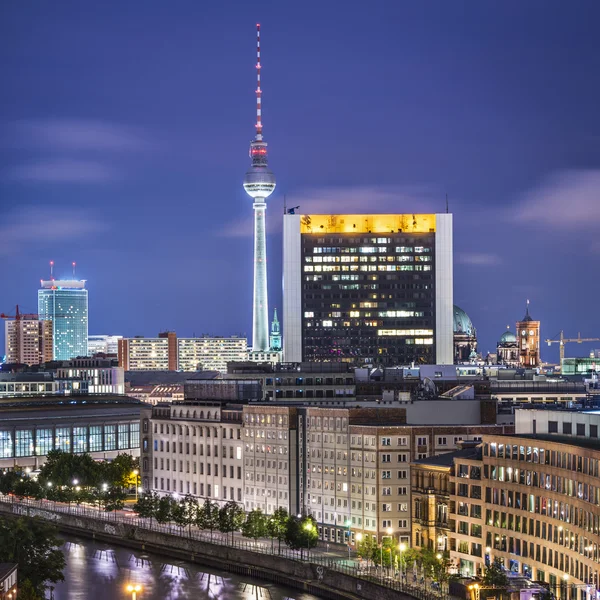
<point>258,90</point>
<point>51,269</point>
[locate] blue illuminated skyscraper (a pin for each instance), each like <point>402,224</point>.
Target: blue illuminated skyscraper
<point>65,303</point>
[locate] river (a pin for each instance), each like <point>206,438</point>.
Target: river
<point>98,571</point>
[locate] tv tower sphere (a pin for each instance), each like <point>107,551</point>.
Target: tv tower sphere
<point>259,183</point>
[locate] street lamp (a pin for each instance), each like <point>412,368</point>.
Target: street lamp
<point>75,481</point>
<point>347,523</point>
<point>475,588</point>
<point>133,590</point>
<point>308,527</point>
<point>136,473</point>
<point>401,549</point>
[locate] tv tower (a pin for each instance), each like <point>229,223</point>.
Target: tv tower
<point>259,183</point>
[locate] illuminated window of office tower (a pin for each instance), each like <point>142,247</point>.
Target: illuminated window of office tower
<point>65,303</point>
<point>368,288</point>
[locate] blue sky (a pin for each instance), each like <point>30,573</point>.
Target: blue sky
<point>124,131</point>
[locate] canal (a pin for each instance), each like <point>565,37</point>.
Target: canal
<point>98,571</point>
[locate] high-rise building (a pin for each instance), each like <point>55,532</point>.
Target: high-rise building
<point>28,341</point>
<point>65,303</point>
<point>528,334</point>
<point>259,184</point>
<point>370,288</point>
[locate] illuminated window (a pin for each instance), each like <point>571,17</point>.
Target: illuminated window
<point>23,442</point>
<point>110,438</point>
<point>43,441</point>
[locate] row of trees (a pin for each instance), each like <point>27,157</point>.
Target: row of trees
<point>298,533</point>
<point>78,478</point>
<point>390,554</point>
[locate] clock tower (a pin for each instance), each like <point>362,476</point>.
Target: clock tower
<point>528,340</point>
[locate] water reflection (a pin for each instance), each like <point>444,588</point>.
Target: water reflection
<point>98,571</point>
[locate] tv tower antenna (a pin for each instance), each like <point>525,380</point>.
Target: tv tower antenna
<point>51,269</point>
<point>258,90</point>
<point>74,264</point>
<point>259,184</point>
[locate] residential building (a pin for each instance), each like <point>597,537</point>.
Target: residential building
<point>169,353</point>
<point>103,344</point>
<point>65,303</point>
<point>101,375</point>
<point>270,458</point>
<point>369,288</point>
<point>157,394</point>
<point>28,341</point>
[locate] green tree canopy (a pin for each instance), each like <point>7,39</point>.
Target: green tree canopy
<point>32,544</point>
<point>277,525</point>
<point>255,525</point>
<point>231,517</point>
<point>495,576</point>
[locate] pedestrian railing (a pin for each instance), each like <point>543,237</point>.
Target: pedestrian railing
<point>423,589</point>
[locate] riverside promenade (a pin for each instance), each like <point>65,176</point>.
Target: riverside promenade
<point>327,573</point>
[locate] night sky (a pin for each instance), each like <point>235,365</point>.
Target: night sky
<point>124,132</point>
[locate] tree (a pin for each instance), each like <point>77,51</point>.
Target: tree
<point>113,499</point>
<point>207,516</point>
<point>120,471</point>
<point>277,526</point>
<point>32,543</point>
<point>231,517</point>
<point>301,533</point>
<point>494,576</point>
<point>146,505</point>
<point>183,512</point>
<point>27,591</point>
<point>163,510</point>
<point>367,547</point>
<point>255,525</point>
<point>63,468</point>
<point>9,480</point>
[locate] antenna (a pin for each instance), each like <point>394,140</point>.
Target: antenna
<point>284,204</point>
<point>51,269</point>
<point>258,90</point>
<point>74,264</point>
<point>446,202</point>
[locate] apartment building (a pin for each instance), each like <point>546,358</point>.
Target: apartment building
<point>270,458</point>
<point>193,448</point>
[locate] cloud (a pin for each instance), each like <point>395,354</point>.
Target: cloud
<point>62,170</point>
<point>32,226</point>
<point>565,200</point>
<point>73,134</point>
<point>348,200</point>
<point>478,259</point>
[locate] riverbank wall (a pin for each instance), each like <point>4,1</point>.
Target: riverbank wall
<point>314,578</point>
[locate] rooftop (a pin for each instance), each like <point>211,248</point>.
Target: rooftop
<point>447,459</point>
<point>6,569</point>
<point>577,441</point>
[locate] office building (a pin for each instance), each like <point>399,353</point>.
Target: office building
<point>169,353</point>
<point>370,288</point>
<point>103,344</point>
<point>65,303</point>
<point>28,341</point>
<point>532,502</point>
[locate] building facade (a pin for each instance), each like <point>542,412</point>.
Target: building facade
<point>465,337</point>
<point>532,502</point>
<point>28,341</point>
<point>31,427</point>
<point>370,288</point>
<point>528,334</point>
<point>169,353</point>
<point>65,303</point>
<point>103,344</point>
<point>507,350</point>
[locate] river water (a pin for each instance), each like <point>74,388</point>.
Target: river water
<point>99,571</point>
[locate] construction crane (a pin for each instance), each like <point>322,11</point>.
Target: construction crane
<point>18,316</point>
<point>562,340</point>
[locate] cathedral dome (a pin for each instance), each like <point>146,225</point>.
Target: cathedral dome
<point>462,323</point>
<point>508,337</point>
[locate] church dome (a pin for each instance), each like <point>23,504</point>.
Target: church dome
<point>508,337</point>
<point>462,323</point>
